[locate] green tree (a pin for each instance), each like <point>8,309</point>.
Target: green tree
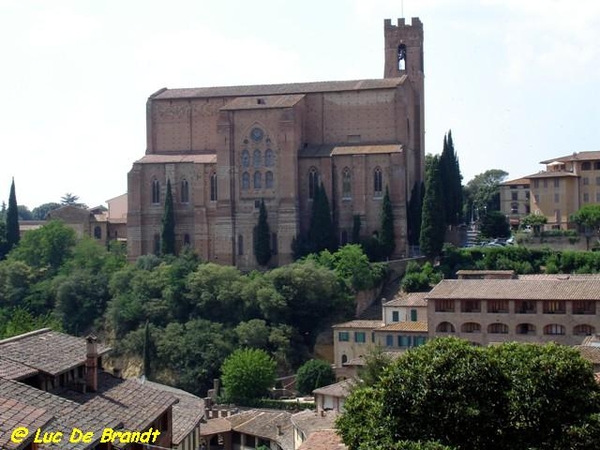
<point>167,233</point>
<point>433,226</point>
<point>376,363</point>
<point>494,224</point>
<point>415,209</point>
<point>321,233</point>
<point>511,396</point>
<point>483,191</point>
<point>253,333</point>
<point>3,243</point>
<point>247,375</point>
<point>40,212</point>
<point>588,217</point>
<point>24,213</point>
<point>12,219</point>
<point>451,182</point>
<point>147,351</point>
<point>387,238</point>
<point>419,278</point>
<point>314,374</point>
<point>262,237</point>
<point>536,221</point>
<point>71,200</point>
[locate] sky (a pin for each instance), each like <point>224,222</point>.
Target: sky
<point>516,81</point>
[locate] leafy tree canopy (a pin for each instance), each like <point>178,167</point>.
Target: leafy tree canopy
<point>40,212</point>
<point>247,374</point>
<point>314,374</point>
<point>494,224</point>
<point>534,220</point>
<point>511,396</point>
<point>483,191</point>
<point>588,216</point>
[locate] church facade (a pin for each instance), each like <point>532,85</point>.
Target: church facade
<point>224,149</point>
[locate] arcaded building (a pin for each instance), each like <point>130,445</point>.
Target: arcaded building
<point>224,149</point>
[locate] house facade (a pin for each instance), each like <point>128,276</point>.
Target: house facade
<point>224,149</point>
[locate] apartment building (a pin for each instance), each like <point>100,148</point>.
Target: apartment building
<point>537,309</point>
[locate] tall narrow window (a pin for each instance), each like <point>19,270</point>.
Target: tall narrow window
<point>245,158</point>
<point>269,158</point>
<point>346,184</point>
<point>185,191</point>
<point>344,237</point>
<point>402,57</point>
<point>269,179</point>
<point>213,187</point>
<point>240,245</point>
<point>377,182</point>
<point>257,180</point>
<point>97,232</point>
<point>313,182</point>
<point>155,191</point>
<point>256,159</point>
<point>186,239</point>
<point>245,181</point>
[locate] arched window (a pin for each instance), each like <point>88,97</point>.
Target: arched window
<point>256,159</point>
<point>554,329</point>
<point>269,180</point>
<point>186,239</point>
<point>470,327</point>
<point>346,184</point>
<point>313,182</point>
<point>584,330</point>
<point>377,182</point>
<point>445,327</point>
<point>269,158</point>
<point>344,359</point>
<point>185,191</point>
<point>257,180</point>
<point>526,328</point>
<point>245,158</point>
<point>514,208</point>
<point>97,232</point>
<point>240,245</point>
<point>245,181</point>
<point>498,328</point>
<point>402,57</point>
<point>213,187</point>
<point>155,191</point>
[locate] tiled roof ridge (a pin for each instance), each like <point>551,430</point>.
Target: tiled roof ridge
<point>25,335</point>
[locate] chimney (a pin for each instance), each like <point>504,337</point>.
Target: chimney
<point>91,363</point>
<point>279,433</point>
<point>116,372</point>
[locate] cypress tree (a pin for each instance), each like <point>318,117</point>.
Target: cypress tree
<point>167,235</point>
<point>433,226</point>
<point>387,237</point>
<point>415,209</point>
<point>321,234</point>
<point>451,182</point>
<point>12,219</point>
<point>147,351</point>
<point>262,237</point>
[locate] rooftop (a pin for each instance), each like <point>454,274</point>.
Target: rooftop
<point>408,299</point>
<point>278,89</point>
<point>47,351</point>
<point>13,370</point>
<point>369,324</point>
<point>207,158</point>
<point>576,156</point>
<point>417,327</point>
<point>516,182</point>
<point>517,289</point>
<point>323,440</point>
<point>339,389</point>
<point>553,174</point>
<point>275,426</point>
<point>309,421</point>
<point>263,102</point>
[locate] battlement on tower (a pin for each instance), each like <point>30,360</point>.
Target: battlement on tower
<point>415,23</point>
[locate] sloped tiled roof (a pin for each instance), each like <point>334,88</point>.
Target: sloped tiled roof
<point>591,353</point>
<point>560,276</point>
<point>517,289</point>
<point>577,156</point>
<point>13,370</point>
<point>309,421</point>
<point>323,440</point>
<point>276,426</point>
<point>339,389</point>
<point>417,327</point>
<point>408,299</point>
<point>207,158</point>
<point>279,89</point>
<point>263,102</point>
<point>215,426</point>
<point>553,174</point>
<point>360,324</point>
<point>13,414</point>
<point>365,149</point>
<point>46,350</point>
<point>187,412</point>
<point>516,182</point>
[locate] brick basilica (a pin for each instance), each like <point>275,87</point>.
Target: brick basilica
<point>226,148</point>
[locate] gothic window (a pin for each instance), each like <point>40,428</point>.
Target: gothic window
<point>97,232</point>
<point>245,181</point>
<point>213,188</point>
<point>256,159</point>
<point>257,180</point>
<point>402,57</point>
<point>269,158</point>
<point>185,191</point>
<point>346,184</point>
<point>245,158</point>
<point>377,182</point>
<point>269,180</point>
<point>240,245</point>
<point>155,191</point>
<point>313,182</point>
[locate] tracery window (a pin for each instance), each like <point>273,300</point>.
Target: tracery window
<point>155,191</point>
<point>245,181</point>
<point>269,158</point>
<point>185,191</point>
<point>269,180</point>
<point>245,158</point>
<point>313,182</point>
<point>256,158</point>
<point>257,180</point>
<point>213,187</point>
<point>377,182</point>
<point>346,184</point>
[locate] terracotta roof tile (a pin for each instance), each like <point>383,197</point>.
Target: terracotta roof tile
<point>209,158</point>
<point>589,352</point>
<point>279,89</point>
<point>309,421</point>
<point>553,174</point>
<point>339,389</point>
<point>13,370</point>
<point>276,426</point>
<point>263,102</point>
<point>13,414</point>
<point>577,156</point>
<point>369,324</point>
<point>408,299</point>
<point>365,149</point>
<point>560,276</point>
<point>417,327</point>
<point>323,440</point>
<point>215,426</point>
<point>46,350</point>
<point>517,289</point>
<point>516,182</point>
